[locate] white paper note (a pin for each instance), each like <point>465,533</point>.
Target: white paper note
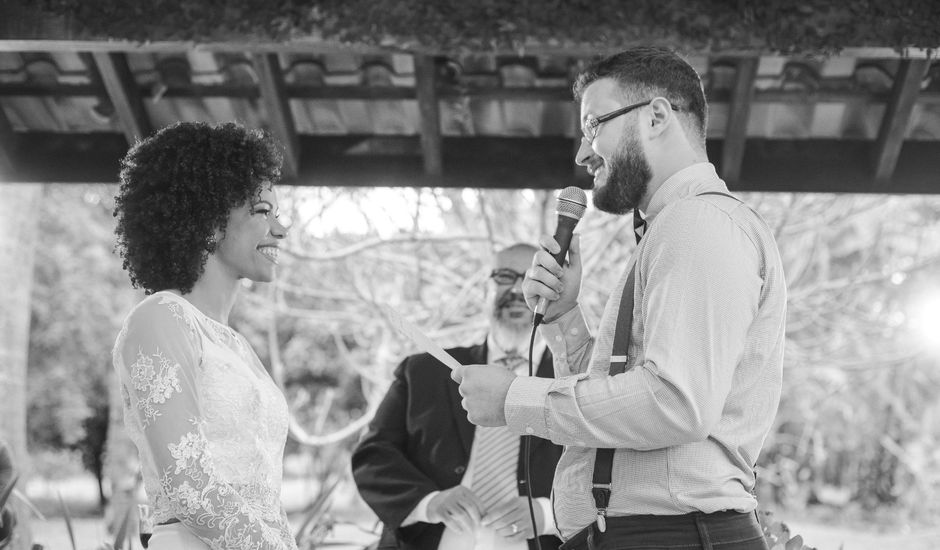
<point>415,335</point>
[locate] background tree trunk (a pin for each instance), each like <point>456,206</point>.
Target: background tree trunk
<point>18,228</point>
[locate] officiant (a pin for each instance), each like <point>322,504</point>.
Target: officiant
<point>435,480</point>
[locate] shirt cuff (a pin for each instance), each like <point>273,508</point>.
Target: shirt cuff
<point>525,405</point>
<point>420,513</point>
<point>570,331</point>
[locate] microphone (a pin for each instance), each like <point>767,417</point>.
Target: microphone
<point>572,202</point>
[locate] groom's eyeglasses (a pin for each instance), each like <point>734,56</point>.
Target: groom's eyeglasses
<point>591,124</point>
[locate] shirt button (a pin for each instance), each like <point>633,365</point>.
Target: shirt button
<point>529,430</point>
<point>558,337</point>
<point>460,469</point>
<point>574,331</point>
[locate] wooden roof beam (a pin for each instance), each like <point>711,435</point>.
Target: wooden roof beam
<point>280,120</point>
<point>124,93</point>
<point>897,117</point>
<point>739,112</point>
<point>798,165</point>
<point>397,93</point>
<point>426,91</point>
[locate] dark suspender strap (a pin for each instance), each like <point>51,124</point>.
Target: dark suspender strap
<point>720,194</point>
<point>604,458</point>
<point>618,352</point>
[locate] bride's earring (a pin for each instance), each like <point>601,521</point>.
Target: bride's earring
<point>213,244</point>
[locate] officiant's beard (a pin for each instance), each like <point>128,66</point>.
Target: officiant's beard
<point>511,320</point>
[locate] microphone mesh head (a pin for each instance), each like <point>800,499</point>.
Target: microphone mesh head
<point>572,202</point>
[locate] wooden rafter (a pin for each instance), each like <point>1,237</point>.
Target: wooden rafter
<point>897,117</point>
<point>801,120</point>
<point>397,93</point>
<point>118,81</point>
<point>300,91</point>
<point>738,115</point>
<point>426,91</point>
<point>797,165</point>
<point>280,120</point>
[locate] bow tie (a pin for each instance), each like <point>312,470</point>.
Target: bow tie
<point>510,361</point>
<point>639,225</point>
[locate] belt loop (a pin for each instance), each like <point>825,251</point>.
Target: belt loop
<point>702,532</point>
<point>590,538</point>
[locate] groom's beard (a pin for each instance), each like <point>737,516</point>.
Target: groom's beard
<point>628,178</point>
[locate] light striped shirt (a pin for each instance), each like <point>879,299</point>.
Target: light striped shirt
<point>691,413</point>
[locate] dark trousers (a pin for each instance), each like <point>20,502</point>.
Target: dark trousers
<point>727,530</point>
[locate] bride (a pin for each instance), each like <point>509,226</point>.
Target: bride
<point>197,213</point>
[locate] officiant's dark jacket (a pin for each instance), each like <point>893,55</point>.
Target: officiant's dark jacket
<point>419,442</point>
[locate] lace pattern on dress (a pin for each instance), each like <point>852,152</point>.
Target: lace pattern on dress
<point>178,313</point>
<point>209,424</point>
<point>154,384</point>
<point>202,497</point>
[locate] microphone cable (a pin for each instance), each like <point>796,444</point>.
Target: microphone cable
<point>572,202</point>
<point>528,448</point>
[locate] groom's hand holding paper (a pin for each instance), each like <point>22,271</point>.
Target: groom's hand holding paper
<point>484,390</point>
<point>483,387</point>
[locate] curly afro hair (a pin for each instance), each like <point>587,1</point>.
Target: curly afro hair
<point>177,188</point>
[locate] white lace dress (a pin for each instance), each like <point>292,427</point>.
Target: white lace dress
<point>209,424</point>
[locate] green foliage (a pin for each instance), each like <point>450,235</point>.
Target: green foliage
<point>119,538</point>
<point>8,479</point>
<point>122,530</point>
<point>778,534</point>
<point>8,473</point>
<point>856,424</point>
<point>67,517</point>
<point>80,295</point>
<point>490,25</point>
<point>315,522</point>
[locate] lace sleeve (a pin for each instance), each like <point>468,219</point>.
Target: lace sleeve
<point>161,355</point>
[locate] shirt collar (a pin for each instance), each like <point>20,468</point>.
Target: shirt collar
<point>494,352</point>
<point>691,180</point>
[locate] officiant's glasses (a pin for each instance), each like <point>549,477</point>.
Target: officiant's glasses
<point>506,276</point>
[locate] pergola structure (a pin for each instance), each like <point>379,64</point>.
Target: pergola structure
<point>863,120</point>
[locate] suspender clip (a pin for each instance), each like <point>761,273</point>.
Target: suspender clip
<point>601,492</point>
<point>602,520</point>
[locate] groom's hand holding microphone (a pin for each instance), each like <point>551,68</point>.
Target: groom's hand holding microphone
<point>550,290</point>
